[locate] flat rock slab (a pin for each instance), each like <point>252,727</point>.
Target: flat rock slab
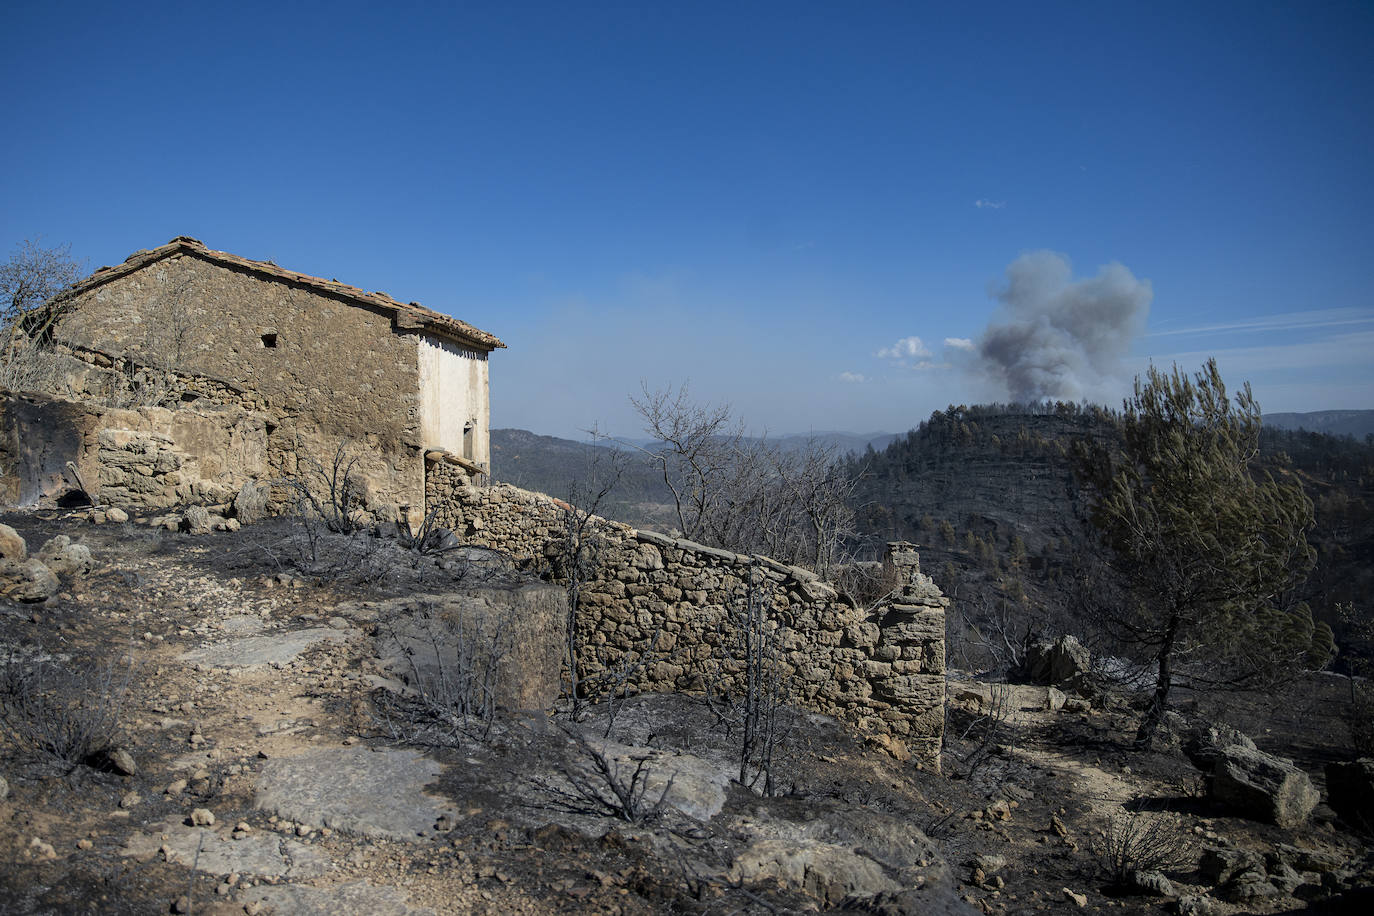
<point>264,853</point>
<point>694,786</point>
<point>241,624</point>
<point>374,793</point>
<point>268,649</point>
<point>354,897</point>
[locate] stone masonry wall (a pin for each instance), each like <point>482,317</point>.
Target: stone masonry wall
<point>147,457</point>
<point>334,371</point>
<point>881,669</point>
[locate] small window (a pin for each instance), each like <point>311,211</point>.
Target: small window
<point>269,341</point>
<point>467,440</point>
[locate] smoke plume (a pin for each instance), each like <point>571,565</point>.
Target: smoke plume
<point>1058,337</point>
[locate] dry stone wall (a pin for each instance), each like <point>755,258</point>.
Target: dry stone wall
<point>147,457</point>
<point>881,669</point>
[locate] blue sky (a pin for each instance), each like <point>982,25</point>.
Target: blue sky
<point>761,198</point>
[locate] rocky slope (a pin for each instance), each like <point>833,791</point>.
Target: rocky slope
<point>270,751</point>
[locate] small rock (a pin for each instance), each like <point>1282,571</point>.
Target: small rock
<point>1195,905</point>
<point>1057,826</point>
<point>999,810</point>
<point>202,817</point>
<point>1055,699</point>
<point>1075,899</point>
<point>129,800</point>
<point>176,787</point>
<point>84,843</point>
<point>182,904</point>
<point>116,515</point>
<point>42,849</point>
<point>123,762</point>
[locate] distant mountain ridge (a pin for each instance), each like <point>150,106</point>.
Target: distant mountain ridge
<point>1357,423</point>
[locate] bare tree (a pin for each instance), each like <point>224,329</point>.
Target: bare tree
<point>749,495</point>
<point>747,686</point>
<point>30,282</point>
<point>694,448</point>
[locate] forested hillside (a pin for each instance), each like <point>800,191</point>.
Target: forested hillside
<point>989,493</point>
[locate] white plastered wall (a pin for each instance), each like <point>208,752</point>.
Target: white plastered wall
<point>455,394</point>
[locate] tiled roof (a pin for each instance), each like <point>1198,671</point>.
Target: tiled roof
<point>407,314</point>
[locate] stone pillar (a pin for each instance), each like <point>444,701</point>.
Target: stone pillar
<point>911,643</point>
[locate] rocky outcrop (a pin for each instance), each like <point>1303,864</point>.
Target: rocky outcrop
<point>32,579</point>
<point>1262,787</point>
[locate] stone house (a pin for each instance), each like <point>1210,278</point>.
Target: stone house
<point>316,361</point>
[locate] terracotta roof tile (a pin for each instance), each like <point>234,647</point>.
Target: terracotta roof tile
<point>407,314</point>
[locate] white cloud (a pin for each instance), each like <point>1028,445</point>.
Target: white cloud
<point>853,377</point>
<point>959,343</point>
<point>906,348</point>
<point>983,203</point>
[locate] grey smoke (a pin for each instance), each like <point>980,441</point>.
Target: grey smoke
<point>1062,338</point>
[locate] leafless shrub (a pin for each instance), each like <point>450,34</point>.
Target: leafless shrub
<point>749,495</point>
<point>746,687</point>
<point>68,714</point>
<point>597,784</point>
<point>325,498</point>
<point>612,683</point>
<point>989,731</point>
<point>453,666</point>
<point>1136,841</point>
<point>428,538</point>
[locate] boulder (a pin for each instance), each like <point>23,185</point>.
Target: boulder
<point>1350,787</point>
<point>12,546</point>
<point>1204,743</point>
<point>250,505</point>
<point>1262,787</point>
<point>196,520</point>
<point>1219,864</point>
<point>65,558</point>
<point>27,581</point>
<point>1061,661</point>
<point>1249,886</point>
